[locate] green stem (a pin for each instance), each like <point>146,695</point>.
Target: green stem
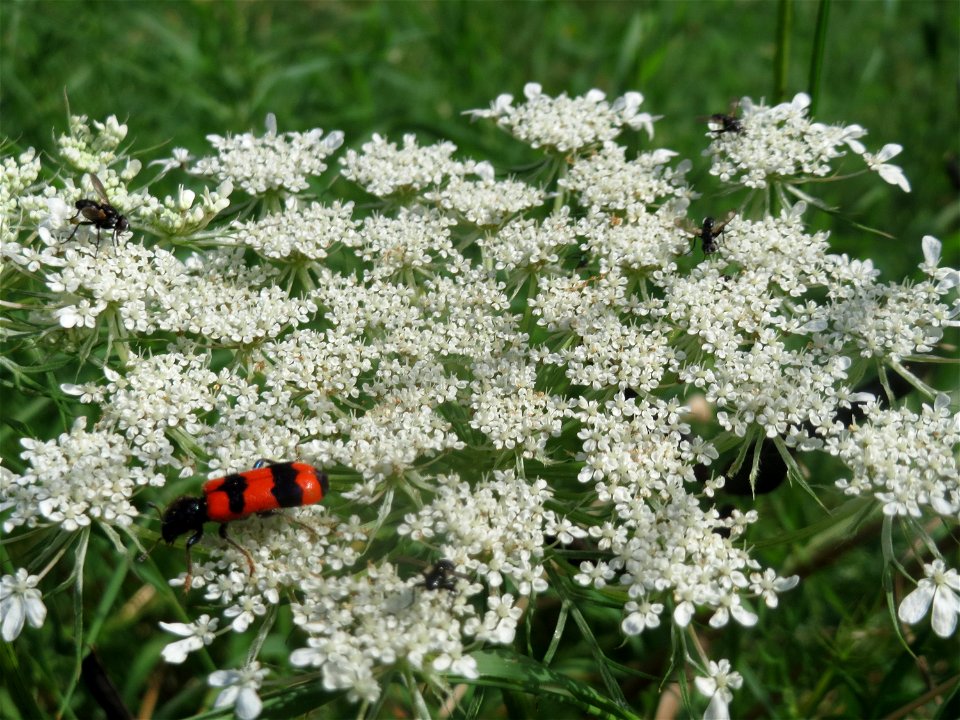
<point>781,60</point>
<point>816,58</point>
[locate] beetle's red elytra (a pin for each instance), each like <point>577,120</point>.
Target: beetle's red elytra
<point>267,487</point>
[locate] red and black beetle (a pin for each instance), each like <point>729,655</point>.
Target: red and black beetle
<point>266,488</point>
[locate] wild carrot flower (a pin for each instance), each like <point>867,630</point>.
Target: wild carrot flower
<point>523,391</point>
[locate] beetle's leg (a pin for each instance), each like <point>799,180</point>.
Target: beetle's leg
<point>193,540</point>
<point>246,553</point>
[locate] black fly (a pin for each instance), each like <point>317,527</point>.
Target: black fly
<point>721,123</point>
<point>442,575</point>
<point>708,232</point>
<point>101,215</point>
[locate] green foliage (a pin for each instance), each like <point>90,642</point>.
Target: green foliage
<point>183,70</point>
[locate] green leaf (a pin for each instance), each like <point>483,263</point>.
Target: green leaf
<point>507,671</point>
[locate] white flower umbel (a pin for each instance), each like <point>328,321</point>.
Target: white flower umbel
<point>74,480</point>
<point>607,181</point>
<point>300,232</point>
<point>780,142</point>
<point>563,124</point>
<point>273,161</point>
<point>456,358</point>
<point>383,169</point>
<point>906,460</point>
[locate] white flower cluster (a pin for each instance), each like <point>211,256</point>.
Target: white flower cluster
<point>382,169</point>
<point>639,460</point>
<point>890,320</point>
<point>486,202</point>
<point>274,161</point>
<point>903,458</point>
<point>565,124</point>
<point>459,358</point>
<point>357,625</point>
<point>16,175</point>
<point>511,412</point>
<point>212,295</point>
<point>495,529</point>
<point>91,149</point>
<point>779,143</point>
<point>607,181</point>
<point>79,478</point>
<point>300,232</point>
<point>527,244</point>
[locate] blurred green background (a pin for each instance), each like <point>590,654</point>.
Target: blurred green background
<point>176,71</point>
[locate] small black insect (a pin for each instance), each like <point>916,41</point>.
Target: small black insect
<point>708,231</point>
<point>102,215</point>
<point>725,122</point>
<point>442,575</point>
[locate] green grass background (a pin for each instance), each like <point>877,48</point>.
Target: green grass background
<point>177,71</point>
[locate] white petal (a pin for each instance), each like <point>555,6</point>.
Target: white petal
<point>915,605</point>
<point>532,90</point>
<point>706,685</point>
<point>175,653</point>
<point>931,250</point>
<point>946,607</point>
<point>222,678</point>
<point>890,150</point>
<point>894,175</point>
<point>595,95</point>
<point>633,624</point>
<point>227,696</point>
<point>717,709</point>
<point>36,611</point>
<point>744,616</point>
<point>181,629</point>
<point>683,613</point>
<point>13,621</point>
<point>248,704</point>
<point>720,618</point>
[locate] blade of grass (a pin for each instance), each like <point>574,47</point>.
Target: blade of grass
<point>782,58</point>
<point>816,58</point>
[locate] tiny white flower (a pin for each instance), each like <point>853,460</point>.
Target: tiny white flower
<point>889,173</point>
<point>239,690</point>
<point>718,688</point>
<point>20,601</point>
<point>641,616</point>
<point>195,636</point>
<point>939,588</point>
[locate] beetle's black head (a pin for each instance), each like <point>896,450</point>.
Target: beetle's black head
<point>183,515</point>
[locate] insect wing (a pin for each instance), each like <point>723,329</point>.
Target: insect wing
<point>98,186</point>
<point>94,213</point>
<point>687,226</point>
<point>719,225</point>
